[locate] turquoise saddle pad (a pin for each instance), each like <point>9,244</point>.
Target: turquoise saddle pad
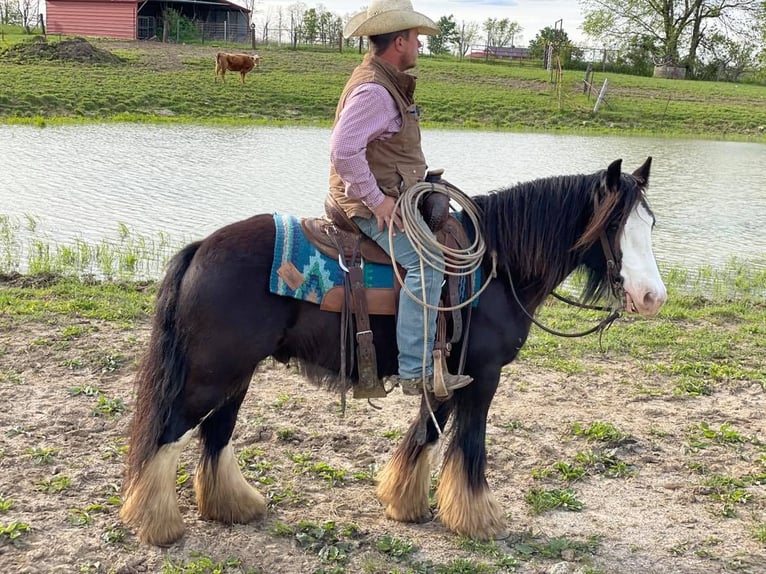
<point>317,272</point>
<point>299,270</point>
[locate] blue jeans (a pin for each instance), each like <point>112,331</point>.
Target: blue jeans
<point>409,322</point>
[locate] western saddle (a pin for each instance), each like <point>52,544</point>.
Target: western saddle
<point>338,237</point>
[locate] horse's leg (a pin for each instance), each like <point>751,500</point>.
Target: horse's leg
<point>150,503</point>
<point>188,375</point>
<point>404,482</point>
<point>158,433</point>
<point>222,492</point>
<point>464,501</point>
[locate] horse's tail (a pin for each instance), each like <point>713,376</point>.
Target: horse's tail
<point>162,373</point>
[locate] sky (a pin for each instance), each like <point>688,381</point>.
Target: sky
<point>532,15</point>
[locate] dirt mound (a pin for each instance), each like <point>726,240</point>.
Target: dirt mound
<point>71,50</point>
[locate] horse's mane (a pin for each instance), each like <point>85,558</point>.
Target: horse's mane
<point>541,229</point>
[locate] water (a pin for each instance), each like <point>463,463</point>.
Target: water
<point>81,182</point>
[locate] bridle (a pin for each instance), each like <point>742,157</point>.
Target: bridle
<point>615,284</point>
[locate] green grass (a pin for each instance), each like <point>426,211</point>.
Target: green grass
<point>302,87</point>
<point>126,256</point>
<point>542,500</point>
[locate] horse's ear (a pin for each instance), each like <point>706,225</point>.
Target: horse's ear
<point>613,173</point>
<point>642,173</point>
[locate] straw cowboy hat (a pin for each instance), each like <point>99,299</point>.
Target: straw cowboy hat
<point>384,16</point>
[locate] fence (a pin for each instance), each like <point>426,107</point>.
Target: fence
<point>150,28</point>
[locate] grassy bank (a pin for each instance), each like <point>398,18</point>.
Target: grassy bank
<point>162,82</point>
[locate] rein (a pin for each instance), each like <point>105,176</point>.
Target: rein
<point>615,282</point>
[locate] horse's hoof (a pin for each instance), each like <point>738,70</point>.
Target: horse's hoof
<point>429,517</point>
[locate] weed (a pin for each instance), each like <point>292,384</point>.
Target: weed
<point>84,390</point>
<point>281,401</point>
<point>600,431</point>
<point>54,485</point>
<point>14,530</point>
<point>542,500</point>
<point>759,533</point>
<point>321,469</point>
<point>16,431</point>
<point>287,435</point>
<point>289,496</point>
<point>182,475</point>
<point>393,435</point>
<point>42,455</point>
<point>5,504</point>
<point>200,564</point>
<point>73,364</point>
<point>72,332</point>
<point>108,407</point>
<point>115,448</point>
<point>110,362</point>
<point>323,539</point>
<point>11,377</point>
<point>729,491</point>
<point>114,535</point>
<point>568,472</point>
<point>84,516</point>
<point>281,529</point>
<point>528,546</point>
<point>397,548</point>
<point>464,566</point>
<point>692,387</point>
<point>724,435</point>
<point>512,425</point>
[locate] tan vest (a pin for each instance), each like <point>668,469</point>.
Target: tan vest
<point>398,162</point>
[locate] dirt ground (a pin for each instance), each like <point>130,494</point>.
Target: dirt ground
<point>66,400</point>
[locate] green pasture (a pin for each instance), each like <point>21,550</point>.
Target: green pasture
<point>174,83</point>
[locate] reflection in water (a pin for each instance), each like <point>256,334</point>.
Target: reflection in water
<point>186,181</point>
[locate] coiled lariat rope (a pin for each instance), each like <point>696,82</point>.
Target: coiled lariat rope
<point>448,261</point>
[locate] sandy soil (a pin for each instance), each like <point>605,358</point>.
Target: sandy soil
<point>663,517</point>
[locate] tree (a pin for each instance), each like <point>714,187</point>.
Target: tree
<point>562,45</point>
<point>441,42</point>
<point>636,57</point>
<point>465,35</point>
<point>501,33</point>
<point>27,13</point>
<point>310,26</point>
<point>9,11</point>
<point>676,26</point>
<point>296,12</point>
<point>724,59</point>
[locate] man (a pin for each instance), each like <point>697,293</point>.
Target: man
<point>375,155</point>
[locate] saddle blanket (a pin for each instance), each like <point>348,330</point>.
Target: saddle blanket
<point>300,271</point>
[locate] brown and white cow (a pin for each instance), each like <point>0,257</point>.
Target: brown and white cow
<point>242,63</point>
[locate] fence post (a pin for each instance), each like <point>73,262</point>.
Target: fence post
<point>601,95</point>
<point>225,35</point>
<point>586,80</point>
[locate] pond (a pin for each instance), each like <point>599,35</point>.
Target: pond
<point>83,182</point>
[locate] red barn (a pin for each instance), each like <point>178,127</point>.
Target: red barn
<point>142,19</point>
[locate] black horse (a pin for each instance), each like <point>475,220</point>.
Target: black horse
<point>216,320</point>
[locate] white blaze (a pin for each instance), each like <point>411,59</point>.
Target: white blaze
<point>644,288</point>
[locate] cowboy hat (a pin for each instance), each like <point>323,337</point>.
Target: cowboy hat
<point>384,16</point>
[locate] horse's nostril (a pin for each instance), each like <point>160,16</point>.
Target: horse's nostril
<point>649,299</point>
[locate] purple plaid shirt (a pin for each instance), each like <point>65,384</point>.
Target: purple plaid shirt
<point>369,114</point>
